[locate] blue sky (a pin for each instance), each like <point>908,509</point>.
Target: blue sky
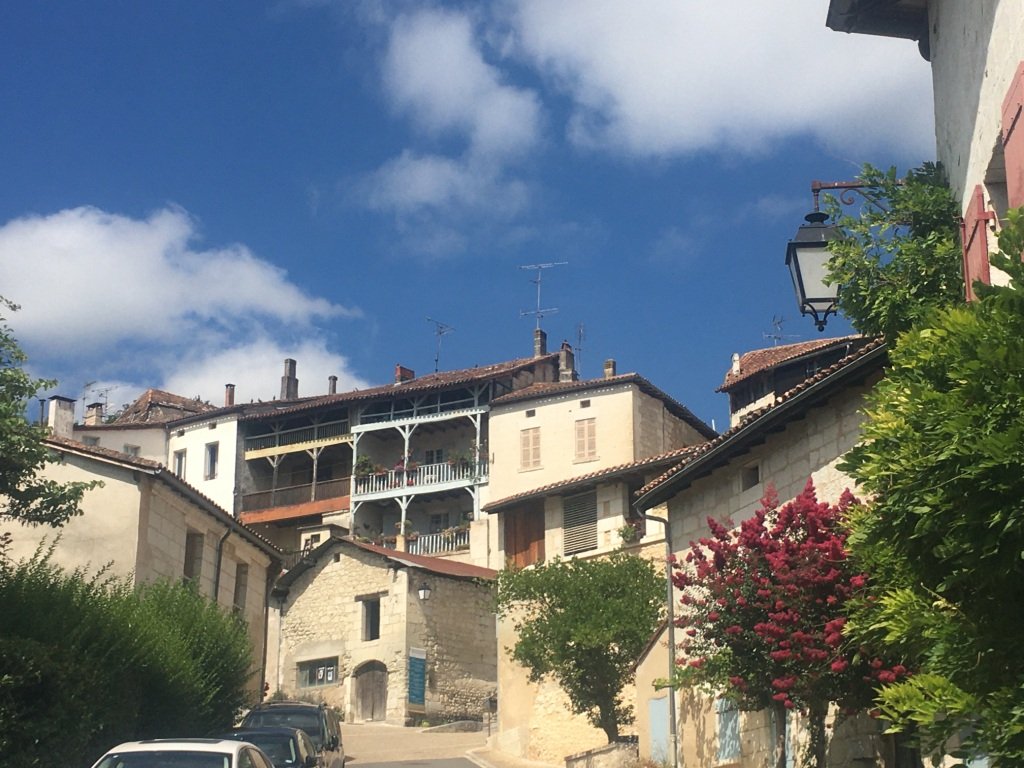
<point>193,191</point>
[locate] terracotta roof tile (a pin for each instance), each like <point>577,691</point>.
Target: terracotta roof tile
<point>155,406</point>
<point>870,345</point>
<point>759,360</point>
<point>438,565</point>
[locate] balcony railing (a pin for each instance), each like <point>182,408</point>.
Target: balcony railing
<point>314,433</point>
<point>452,540</point>
<point>420,409</point>
<point>421,477</point>
<point>296,494</point>
<point>438,543</point>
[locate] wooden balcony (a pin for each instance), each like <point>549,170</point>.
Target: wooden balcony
<point>296,501</point>
<point>292,440</point>
<point>424,478</point>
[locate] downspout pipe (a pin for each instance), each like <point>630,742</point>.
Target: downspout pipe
<point>669,595</point>
<point>220,561</point>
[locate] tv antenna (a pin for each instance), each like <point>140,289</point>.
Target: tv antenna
<point>581,334</point>
<point>440,329</point>
<point>777,335</point>
<point>538,312</point>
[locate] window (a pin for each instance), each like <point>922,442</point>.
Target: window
<point>579,523</point>
<point>241,587</point>
<point>433,456</point>
<point>131,450</point>
<point>318,672</point>
<point>584,403</point>
<point>531,413</point>
<point>586,439</point>
<point>750,476</point>
<point>371,618</point>
<point>727,724</point>
<point>179,463</point>
<point>210,465</point>
<point>194,556</point>
<point>529,448</point>
<point>438,522</point>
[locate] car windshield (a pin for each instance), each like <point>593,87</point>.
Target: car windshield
<point>166,759</point>
<point>307,720</point>
<point>280,748</point>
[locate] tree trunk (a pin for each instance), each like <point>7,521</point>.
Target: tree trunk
<point>779,725</point>
<point>609,724</point>
<point>816,726</point>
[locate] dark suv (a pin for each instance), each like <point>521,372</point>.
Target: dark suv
<point>319,721</point>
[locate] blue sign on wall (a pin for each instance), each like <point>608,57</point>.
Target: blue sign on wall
<point>417,676</point>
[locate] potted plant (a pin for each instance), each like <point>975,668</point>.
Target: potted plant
<point>364,467</point>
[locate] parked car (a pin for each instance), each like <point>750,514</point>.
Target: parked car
<point>185,753</point>
<point>286,747</point>
<point>318,720</point>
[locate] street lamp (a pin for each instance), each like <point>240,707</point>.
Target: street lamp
<point>807,257</point>
<point>424,591</point>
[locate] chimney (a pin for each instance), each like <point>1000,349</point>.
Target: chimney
<point>540,343</point>
<point>229,395</point>
<point>566,363</point>
<point>93,414</point>
<point>735,364</point>
<point>403,374</point>
<point>332,385</point>
<point>60,417</point>
<point>609,368</point>
<point>289,384</point>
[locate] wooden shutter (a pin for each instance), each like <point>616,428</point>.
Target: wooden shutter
<point>524,535</point>
<point>1013,139</point>
<point>975,242</point>
<point>579,523</point>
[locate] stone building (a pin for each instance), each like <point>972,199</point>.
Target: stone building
<point>802,433</point>
<point>145,524</point>
<point>384,635</point>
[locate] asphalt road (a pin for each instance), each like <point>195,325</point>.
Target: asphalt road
<point>373,744</point>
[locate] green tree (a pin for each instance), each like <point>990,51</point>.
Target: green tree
<point>899,258</point>
<point>24,495</point>
<point>585,623</point>
<point>88,661</point>
<point>942,452</point>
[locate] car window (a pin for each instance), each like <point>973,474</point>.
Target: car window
<point>249,758</point>
<point>280,748</point>
<point>308,720</point>
<point>167,759</point>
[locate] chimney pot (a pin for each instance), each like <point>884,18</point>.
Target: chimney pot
<point>735,363</point>
<point>93,414</point>
<point>403,374</point>
<point>540,343</point>
<point>60,416</point>
<point>289,384</point>
<point>229,394</point>
<point>609,368</point>
<point>566,363</point>
<point>332,385</point>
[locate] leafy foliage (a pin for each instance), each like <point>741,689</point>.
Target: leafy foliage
<point>764,608</point>
<point>900,257</point>
<point>585,622</point>
<point>943,453</point>
<point>87,662</point>
<point>23,495</point>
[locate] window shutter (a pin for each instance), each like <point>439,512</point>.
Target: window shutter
<point>975,242</point>
<point>1013,139</point>
<point>579,523</point>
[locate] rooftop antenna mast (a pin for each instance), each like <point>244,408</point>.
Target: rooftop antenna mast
<point>580,336</point>
<point>538,312</point>
<point>440,329</point>
<point>777,335</point>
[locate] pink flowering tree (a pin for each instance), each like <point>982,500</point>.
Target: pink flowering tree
<point>763,611</point>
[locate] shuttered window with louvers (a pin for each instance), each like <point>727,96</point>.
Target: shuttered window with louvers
<point>579,523</point>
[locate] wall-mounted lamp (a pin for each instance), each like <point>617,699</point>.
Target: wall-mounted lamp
<point>424,591</point>
<point>807,257</point>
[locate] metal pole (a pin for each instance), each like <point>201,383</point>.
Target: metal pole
<point>672,735</point>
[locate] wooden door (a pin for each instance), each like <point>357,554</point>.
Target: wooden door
<point>372,691</point>
<point>524,535</point>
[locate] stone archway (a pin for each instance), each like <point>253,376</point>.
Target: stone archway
<point>371,689</point>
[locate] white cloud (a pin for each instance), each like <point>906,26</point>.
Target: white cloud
<point>412,182</point>
<point>435,72</point>
<point>662,77</point>
<point>105,296</point>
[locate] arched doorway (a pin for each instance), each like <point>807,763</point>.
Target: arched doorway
<point>371,683</point>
